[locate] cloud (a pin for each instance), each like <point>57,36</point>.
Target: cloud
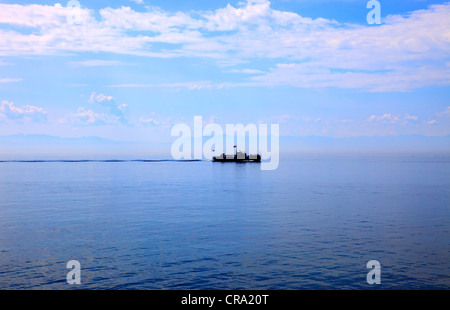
<point>111,112</point>
<point>196,85</point>
<point>96,63</point>
<point>411,117</point>
<point>116,110</point>
<point>445,113</point>
<point>150,121</point>
<point>28,113</point>
<point>99,98</point>
<point>392,119</point>
<point>384,117</point>
<point>404,53</point>
<point>9,80</point>
<point>246,71</point>
<point>153,121</point>
<point>89,117</point>
<point>34,15</point>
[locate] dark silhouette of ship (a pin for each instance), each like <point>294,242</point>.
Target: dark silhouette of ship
<point>239,157</point>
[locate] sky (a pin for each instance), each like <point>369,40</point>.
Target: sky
<point>130,70</point>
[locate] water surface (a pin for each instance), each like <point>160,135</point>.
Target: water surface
<point>313,223</point>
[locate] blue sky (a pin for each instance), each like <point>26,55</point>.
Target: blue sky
<point>130,70</point>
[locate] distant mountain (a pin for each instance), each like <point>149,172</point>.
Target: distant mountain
<point>32,146</point>
<point>47,146</point>
<point>400,143</point>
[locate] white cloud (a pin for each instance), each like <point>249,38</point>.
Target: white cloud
<point>315,74</point>
<point>96,63</point>
<point>33,15</point>
<point>386,118</point>
<point>154,122</point>
<point>161,22</point>
<point>99,98</point>
<point>411,117</point>
<point>445,113</point>
<point>404,53</point>
<point>246,71</point>
<point>115,111</point>
<point>9,80</point>
<point>149,121</point>
<point>90,117</point>
<point>196,85</point>
<point>28,113</point>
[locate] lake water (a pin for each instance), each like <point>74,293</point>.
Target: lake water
<point>313,223</point>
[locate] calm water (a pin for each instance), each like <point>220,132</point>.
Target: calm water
<point>314,223</point>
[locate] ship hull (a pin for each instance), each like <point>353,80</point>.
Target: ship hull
<point>237,159</point>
